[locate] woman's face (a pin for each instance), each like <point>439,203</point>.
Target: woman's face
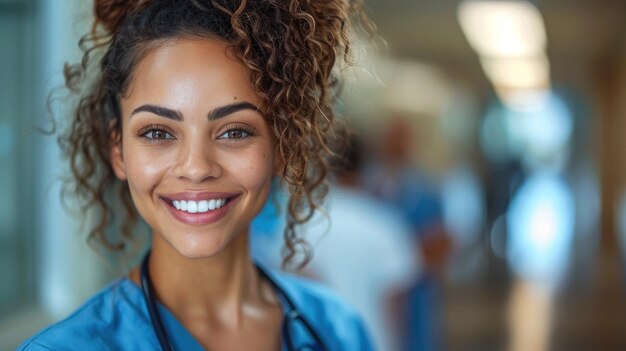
<point>197,155</point>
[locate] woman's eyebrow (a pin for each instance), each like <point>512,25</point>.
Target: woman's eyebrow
<point>159,110</point>
<point>218,113</point>
<point>230,109</point>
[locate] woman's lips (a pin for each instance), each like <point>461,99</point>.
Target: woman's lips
<point>199,218</point>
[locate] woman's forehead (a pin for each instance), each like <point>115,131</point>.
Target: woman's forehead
<point>187,71</point>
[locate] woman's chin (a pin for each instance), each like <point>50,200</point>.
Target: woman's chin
<point>195,248</point>
<point>197,253</point>
<point>197,243</point>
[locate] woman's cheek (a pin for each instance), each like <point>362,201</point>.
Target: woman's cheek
<point>254,168</point>
<point>146,166</point>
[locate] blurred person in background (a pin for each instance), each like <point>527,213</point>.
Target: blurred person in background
<point>182,120</point>
<point>394,180</point>
<point>364,249</point>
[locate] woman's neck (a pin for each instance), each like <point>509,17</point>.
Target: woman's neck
<point>220,290</point>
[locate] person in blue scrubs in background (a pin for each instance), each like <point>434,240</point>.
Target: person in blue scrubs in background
<point>195,108</point>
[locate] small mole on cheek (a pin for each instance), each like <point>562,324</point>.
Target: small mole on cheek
<point>234,98</point>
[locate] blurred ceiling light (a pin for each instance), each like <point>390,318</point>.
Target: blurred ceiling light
<point>503,28</point>
<point>518,73</point>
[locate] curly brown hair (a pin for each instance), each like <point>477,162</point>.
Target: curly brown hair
<point>291,48</point>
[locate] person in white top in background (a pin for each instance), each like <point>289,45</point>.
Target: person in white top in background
<point>363,250</point>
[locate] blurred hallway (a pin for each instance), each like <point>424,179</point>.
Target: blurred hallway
<point>586,47</point>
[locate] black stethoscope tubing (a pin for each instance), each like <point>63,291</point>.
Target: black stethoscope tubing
<point>291,315</point>
<point>155,316</point>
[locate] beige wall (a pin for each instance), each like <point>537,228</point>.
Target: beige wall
<point>610,87</point>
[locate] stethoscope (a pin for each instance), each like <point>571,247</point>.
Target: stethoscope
<point>291,316</point>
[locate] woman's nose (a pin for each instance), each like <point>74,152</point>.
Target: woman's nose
<point>197,163</point>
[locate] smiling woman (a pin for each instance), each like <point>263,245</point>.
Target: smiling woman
<point>196,107</point>
<point>197,147</point>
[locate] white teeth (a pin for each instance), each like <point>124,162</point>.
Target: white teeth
<point>198,206</point>
<point>192,206</point>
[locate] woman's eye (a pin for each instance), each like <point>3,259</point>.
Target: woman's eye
<point>157,134</point>
<point>235,134</point>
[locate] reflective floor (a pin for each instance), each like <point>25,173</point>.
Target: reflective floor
<point>590,317</point>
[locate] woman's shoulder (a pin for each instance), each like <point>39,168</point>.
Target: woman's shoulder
<point>339,324</point>
<point>106,321</point>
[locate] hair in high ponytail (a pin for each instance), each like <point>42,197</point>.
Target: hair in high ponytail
<point>290,46</point>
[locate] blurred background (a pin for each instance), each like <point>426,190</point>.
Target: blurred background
<point>482,206</point>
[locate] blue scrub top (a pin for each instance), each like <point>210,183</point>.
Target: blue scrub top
<point>117,318</point>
